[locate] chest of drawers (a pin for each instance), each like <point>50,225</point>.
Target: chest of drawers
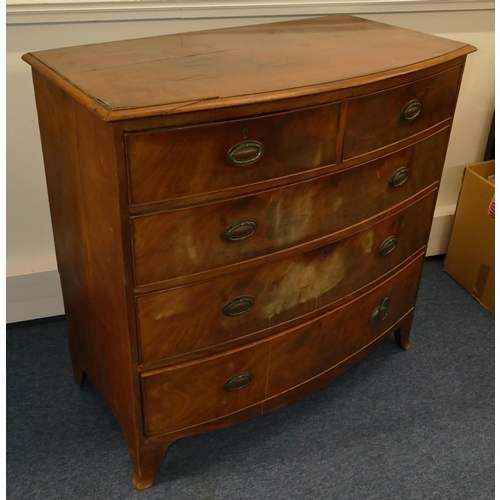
<point>240,215</point>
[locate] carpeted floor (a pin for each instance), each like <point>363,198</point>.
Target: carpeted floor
<point>401,425</point>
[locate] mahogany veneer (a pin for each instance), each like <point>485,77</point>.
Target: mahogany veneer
<point>240,215</point>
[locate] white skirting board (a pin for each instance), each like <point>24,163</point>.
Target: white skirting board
<point>38,295</point>
<point>33,296</point>
<point>441,230</point>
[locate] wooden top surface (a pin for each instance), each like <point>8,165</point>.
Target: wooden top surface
<point>181,72</point>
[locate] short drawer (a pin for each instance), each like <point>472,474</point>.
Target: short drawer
<point>189,241</point>
<point>304,353</point>
<point>382,118</point>
<point>195,393</point>
<point>180,162</point>
<point>195,317</point>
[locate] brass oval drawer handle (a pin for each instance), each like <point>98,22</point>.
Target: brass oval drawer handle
<point>411,110</point>
<point>238,381</point>
<point>388,245</point>
<point>239,305</point>
<point>240,230</point>
<point>245,153</point>
<point>399,177</point>
<point>381,311</point>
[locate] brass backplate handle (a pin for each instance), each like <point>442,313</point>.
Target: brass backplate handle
<point>388,245</point>
<point>381,311</point>
<point>240,230</point>
<point>411,110</point>
<point>239,305</point>
<point>399,177</point>
<point>238,381</point>
<point>245,153</point>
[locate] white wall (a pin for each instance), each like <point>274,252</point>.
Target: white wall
<point>32,289</point>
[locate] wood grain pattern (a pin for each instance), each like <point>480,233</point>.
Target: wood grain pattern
<point>194,393</point>
<point>190,318</point>
<point>220,66</point>
<point>174,163</point>
<point>286,397</point>
<point>285,217</point>
<point>307,351</point>
<point>203,112</point>
<point>135,135</point>
<point>180,397</point>
<point>82,182</point>
<point>319,381</point>
<point>374,120</point>
<point>68,225</point>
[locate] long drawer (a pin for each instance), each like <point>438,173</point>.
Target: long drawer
<point>179,162</point>
<point>382,118</point>
<point>194,393</point>
<point>188,241</point>
<point>194,317</point>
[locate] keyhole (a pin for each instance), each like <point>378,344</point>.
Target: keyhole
<point>245,133</point>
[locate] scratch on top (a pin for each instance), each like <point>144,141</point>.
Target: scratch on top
<point>191,103</point>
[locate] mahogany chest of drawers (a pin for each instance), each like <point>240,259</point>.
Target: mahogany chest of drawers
<point>240,215</point>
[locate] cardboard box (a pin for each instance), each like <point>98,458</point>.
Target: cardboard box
<point>470,259</point>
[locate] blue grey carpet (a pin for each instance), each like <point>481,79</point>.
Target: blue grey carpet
<point>400,425</point>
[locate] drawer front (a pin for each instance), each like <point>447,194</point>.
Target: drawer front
<point>301,354</point>
<point>379,119</point>
<point>194,317</point>
<point>176,163</point>
<point>195,393</point>
<point>188,241</point>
